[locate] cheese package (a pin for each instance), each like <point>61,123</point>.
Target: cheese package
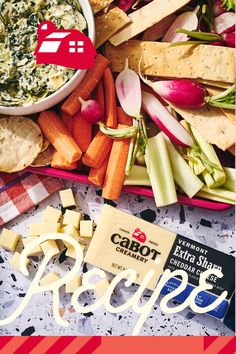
<point>9,239</point>
<point>123,241</point>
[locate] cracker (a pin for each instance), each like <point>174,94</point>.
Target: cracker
<point>44,158</point>
<point>160,59</point>
<point>211,123</point>
<point>98,5</point>
<point>20,143</point>
<point>146,17</point>
<point>221,84</point>
<point>108,24</point>
<point>46,143</point>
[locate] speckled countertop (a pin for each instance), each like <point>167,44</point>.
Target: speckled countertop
<point>212,228</point>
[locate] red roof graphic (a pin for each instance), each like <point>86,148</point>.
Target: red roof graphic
<point>69,48</point>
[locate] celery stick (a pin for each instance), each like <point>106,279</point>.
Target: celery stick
<point>215,198</point>
<point>230,173</point>
<point>183,175</point>
<point>208,150</point>
<point>230,179</point>
<point>138,177</point>
<point>159,170</point>
<point>208,178</point>
<point>219,192</point>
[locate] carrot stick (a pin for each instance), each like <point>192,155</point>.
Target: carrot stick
<point>86,86</point>
<point>99,95</point>
<point>68,120</point>
<point>110,99</point>
<point>59,136</point>
<point>123,118</point>
<point>98,150</point>
<point>59,162</point>
<point>82,132</point>
<point>96,175</point>
<point>115,174</point>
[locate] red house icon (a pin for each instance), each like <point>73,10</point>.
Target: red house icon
<point>139,235</point>
<point>69,48</point>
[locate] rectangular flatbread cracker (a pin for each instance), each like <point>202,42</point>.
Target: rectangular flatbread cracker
<point>146,17</point>
<point>220,84</point>
<point>211,123</point>
<point>108,24</point>
<point>160,59</point>
<point>98,5</point>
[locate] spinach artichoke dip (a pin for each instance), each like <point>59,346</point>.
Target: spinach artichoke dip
<point>22,82</point>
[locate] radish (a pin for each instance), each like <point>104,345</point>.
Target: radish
<point>125,5</point>
<point>183,93</point>
<point>165,121</point>
<point>91,110</point>
<point>218,8</point>
<point>128,89</point>
<point>225,23</point>
<point>187,20</point>
<point>229,39</point>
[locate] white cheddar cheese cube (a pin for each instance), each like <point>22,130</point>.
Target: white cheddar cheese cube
<point>74,284</point>
<point>72,217</point>
<point>48,227</point>
<point>86,228</point>
<point>50,245</point>
<point>67,198</point>
<point>49,278</point>
<point>71,251</point>
<point>15,261</point>
<point>71,231</point>
<point>34,229</point>
<point>9,239</point>
<point>101,287</point>
<point>51,214</point>
<point>36,250</point>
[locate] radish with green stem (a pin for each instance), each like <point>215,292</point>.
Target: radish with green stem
<point>91,110</point>
<point>165,121</point>
<point>188,20</point>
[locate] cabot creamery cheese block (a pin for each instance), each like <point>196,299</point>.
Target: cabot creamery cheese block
<point>123,241</point>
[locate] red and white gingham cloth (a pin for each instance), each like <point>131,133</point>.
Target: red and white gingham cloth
<point>21,191</point>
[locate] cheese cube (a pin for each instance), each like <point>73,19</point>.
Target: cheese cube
<point>72,217</point>
<point>71,231</point>
<point>49,278</point>
<point>34,229</point>
<point>67,198</point>
<point>74,284</point>
<point>51,214</point>
<point>48,227</point>
<point>101,287</point>
<point>50,245</point>
<point>36,250</point>
<point>9,239</point>
<point>15,261</point>
<point>86,228</point>
<point>71,251</point>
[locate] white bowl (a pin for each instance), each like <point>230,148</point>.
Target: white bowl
<point>65,90</point>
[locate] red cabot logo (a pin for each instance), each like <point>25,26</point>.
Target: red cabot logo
<point>139,235</point>
<point>69,48</point>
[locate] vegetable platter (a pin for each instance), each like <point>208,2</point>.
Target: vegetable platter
<point>154,117</point>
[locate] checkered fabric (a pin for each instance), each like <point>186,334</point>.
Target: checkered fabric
<point>21,191</point>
